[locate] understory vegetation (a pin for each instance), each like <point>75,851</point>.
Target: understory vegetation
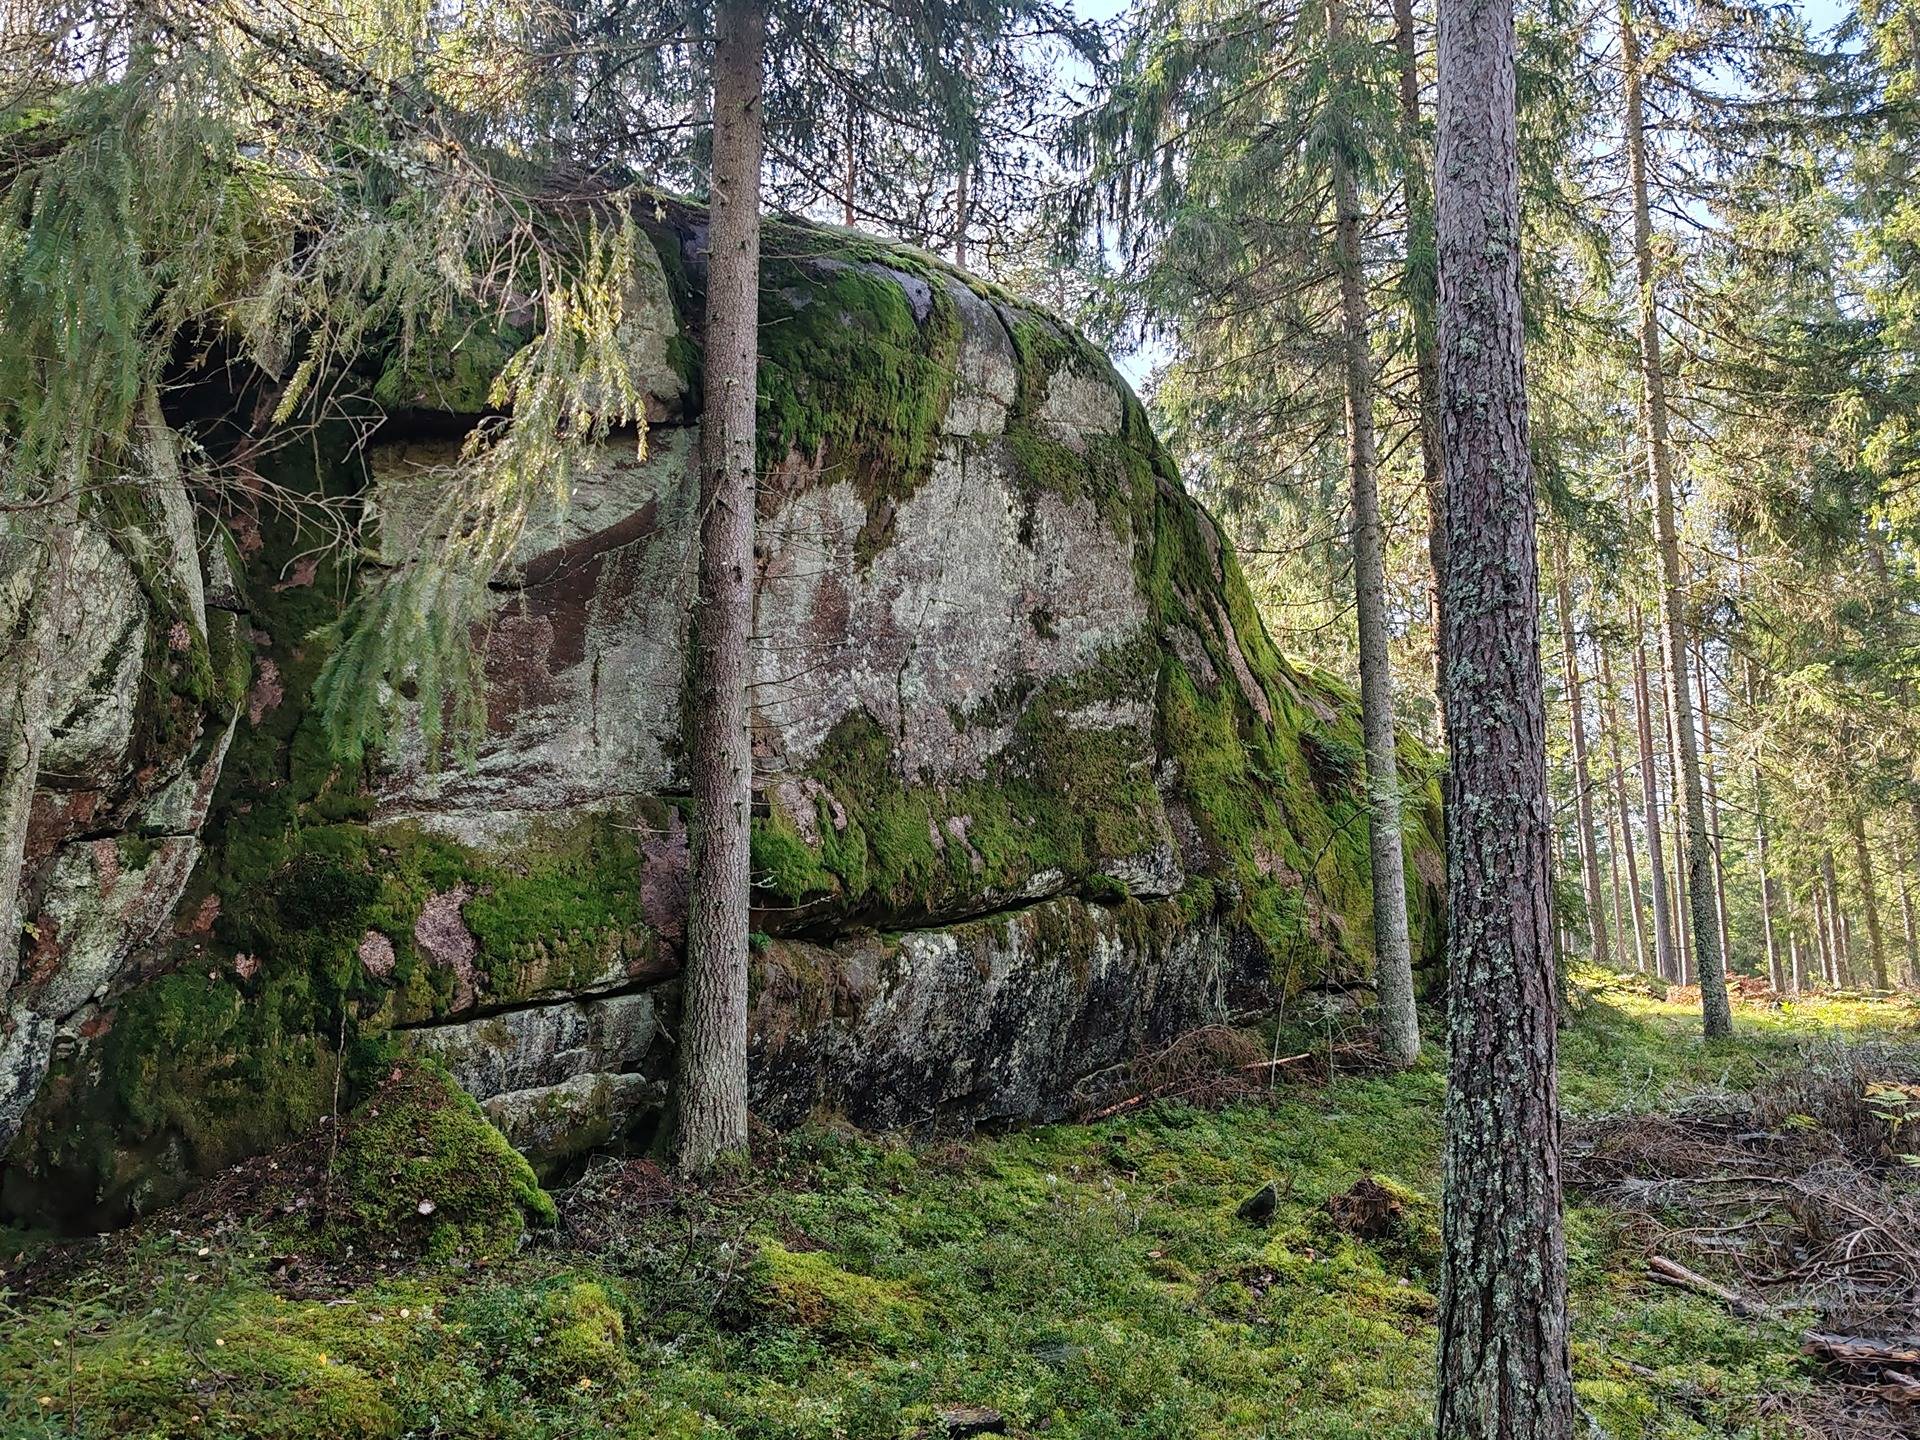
<point>1084,1280</point>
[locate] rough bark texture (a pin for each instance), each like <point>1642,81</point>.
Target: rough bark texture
<point>1715,1010</point>
<point>711,1102</point>
<point>1399,1025</point>
<point>1610,717</point>
<point>1504,1363</point>
<point>1582,781</point>
<point>1421,303</point>
<point>1869,897</point>
<point>1663,949</point>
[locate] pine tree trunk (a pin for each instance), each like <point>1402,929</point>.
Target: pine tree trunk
<point>1504,1366</point>
<point>852,175</point>
<point>1822,933</point>
<point>1618,890</point>
<point>1610,717</point>
<point>1841,961</point>
<point>1399,1026</point>
<point>1869,897</point>
<point>1716,1012</point>
<point>711,1107</point>
<point>1663,949</point>
<point>1715,840</point>
<point>1420,303</point>
<point>1784,982</point>
<point>1677,886</point>
<point>960,203</point>
<point>1905,862</point>
<point>1583,793</point>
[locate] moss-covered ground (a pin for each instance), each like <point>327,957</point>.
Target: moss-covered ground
<point>1086,1281</point>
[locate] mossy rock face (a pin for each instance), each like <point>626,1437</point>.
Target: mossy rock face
<point>1038,790</point>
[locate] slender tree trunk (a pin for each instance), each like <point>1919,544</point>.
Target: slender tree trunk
<point>1399,1026</point>
<point>960,217</point>
<point>1610,717</point>
<point>1619,896</point>
<point>1842,961</point>
<point>1822,933</point>
<point>1715,840</point>
<point>1583,793</point>
<point>1678,888</point>
<point>1421,297</point>
<point>850,179</point>
<point>712,1098</point>
<point>1776,966</point>
<point>1904,859</point>
<point>1663,949</point>
<point>1715,1010</point>
<point>1799,980</point>
<point>1504,1366</point>
<point>1869,896</point>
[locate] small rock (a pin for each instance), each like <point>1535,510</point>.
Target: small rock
<point>1257,1208</point>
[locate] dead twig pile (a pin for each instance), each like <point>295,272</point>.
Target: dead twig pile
<point>1212,1066</point>
<point>1794,1198</point>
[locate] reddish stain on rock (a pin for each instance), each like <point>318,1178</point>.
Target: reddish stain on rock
<point>376,953</point>
<point>200,922</point>
<point>266,692</point>
<point>444,939</point>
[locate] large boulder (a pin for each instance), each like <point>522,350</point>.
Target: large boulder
<point>1034,790</point>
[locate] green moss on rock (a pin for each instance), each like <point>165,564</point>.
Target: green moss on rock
<point>420,1165</point>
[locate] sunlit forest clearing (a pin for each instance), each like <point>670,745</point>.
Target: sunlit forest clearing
<point>933,718</point>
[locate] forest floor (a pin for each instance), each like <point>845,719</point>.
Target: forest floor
<point>1090,1280</point>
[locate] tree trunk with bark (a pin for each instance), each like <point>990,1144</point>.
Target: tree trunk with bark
<point>1426,360</point>
<point>1610,717</point>
<point>961,217</point>
<point>1822,934</point>
<point>1399,1025</point>
<point>1504,1366</point>
<point>1869,896</point>
<point>1582,782</point>
<point>1784,980</point>
<point>1840,961</point>
<point>1715,840</point>
<point>1663,949</point>
<point>1715,1010</point>
<point>711,1102</point>
<point>1904,859</point>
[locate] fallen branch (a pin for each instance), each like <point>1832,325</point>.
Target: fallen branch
<point>1672,1272</point>
<point>1280,1063</point>
<point>1851,1350</point>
